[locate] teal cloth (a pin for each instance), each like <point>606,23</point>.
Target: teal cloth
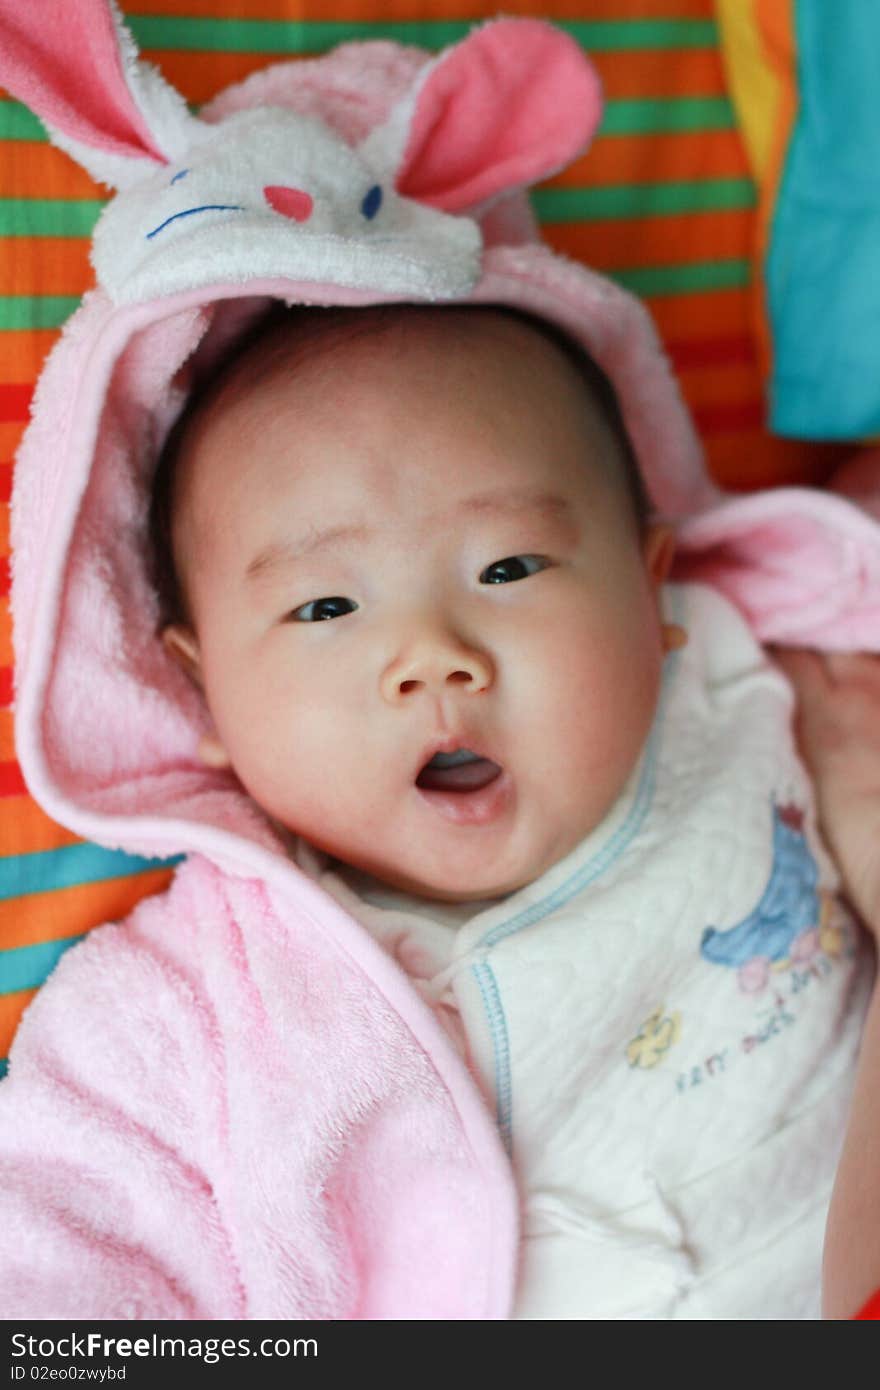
<point>823,265</point>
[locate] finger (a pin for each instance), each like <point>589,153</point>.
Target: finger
<point>805,669</point>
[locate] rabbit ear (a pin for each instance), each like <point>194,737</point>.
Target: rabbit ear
<point>511,104</point>
<point>75,64</point>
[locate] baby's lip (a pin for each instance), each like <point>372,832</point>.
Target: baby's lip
<point>471,775</point>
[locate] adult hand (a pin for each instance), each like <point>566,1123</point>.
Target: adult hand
<point>838,729</point>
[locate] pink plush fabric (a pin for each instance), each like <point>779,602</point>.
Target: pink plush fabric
<point>465,146</point>
<point>44,64</point>
<point>234,1104</point>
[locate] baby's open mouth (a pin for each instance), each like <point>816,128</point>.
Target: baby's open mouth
<point>461,771</point>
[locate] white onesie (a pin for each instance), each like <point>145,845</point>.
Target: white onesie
<point>666,1022</point>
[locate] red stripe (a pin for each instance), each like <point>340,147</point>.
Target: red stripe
<point>11,780</point>
<point>711,352</point>
<point>871,1310</point>
<point>5,481</point>
<point>4,576</point>
<point>15,402</point>
<point>728,419</point>
<point>5,685</point>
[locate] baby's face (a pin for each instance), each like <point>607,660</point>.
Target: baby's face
<point>409,546</point>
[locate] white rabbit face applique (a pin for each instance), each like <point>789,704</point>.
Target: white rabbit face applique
<point>270,193</point>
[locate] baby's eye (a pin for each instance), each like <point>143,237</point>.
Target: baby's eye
<point>319,609</point>
<point>514,567</point>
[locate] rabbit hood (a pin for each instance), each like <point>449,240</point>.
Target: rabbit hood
<point>376,173</point>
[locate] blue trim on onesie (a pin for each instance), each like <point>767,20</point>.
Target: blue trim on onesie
<point>482,971</point>
<point>491,996</point>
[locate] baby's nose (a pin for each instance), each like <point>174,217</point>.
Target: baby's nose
<point>290,202</point>
<point>436,667</point>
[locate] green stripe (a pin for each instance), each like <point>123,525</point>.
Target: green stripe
<point>58,217</point>
<point>642,199</point>
<point>70,217</point>
<point>51,311</point>
<point>17,123</point>
<point>4,1067</point>
<point>654,116</point>
<point>657,116</point>
<point>214,35</point>
<point>36,311</point>
<point>27,967</point>
<point>696,278</point>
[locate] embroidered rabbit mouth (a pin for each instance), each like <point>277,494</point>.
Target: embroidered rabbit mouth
<point>461,771</point>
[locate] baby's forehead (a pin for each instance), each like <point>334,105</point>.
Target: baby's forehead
<point>329,343</point>
<point>474,374</point>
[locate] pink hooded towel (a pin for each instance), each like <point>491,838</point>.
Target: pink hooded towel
<point>248,1110</point>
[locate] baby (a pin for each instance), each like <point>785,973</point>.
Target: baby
<point>504,972</point>
<point>407,556</point>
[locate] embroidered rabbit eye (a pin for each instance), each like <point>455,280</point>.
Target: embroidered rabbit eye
<point>321,609</point>
<point>512,568</point>
<point>372,202</point>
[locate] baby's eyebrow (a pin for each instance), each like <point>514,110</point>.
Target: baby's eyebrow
<point>525,499</point>
<point>287,552</point>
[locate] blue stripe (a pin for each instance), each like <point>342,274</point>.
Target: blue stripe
<point>488,987</point>
<point>27,967</point>
<point>21,874</point>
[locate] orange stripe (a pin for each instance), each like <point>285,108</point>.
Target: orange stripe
<point>620,159</point>
<point>10,438</point>
<point>654,241</point>
<point>720,385</point>
<point>200,76</point>
<point>4,530</point>
<point>12,1006</point>
<point>22,353</point>
<point>26,829</point>
<point>7,735</point>
<point>635,73</point>
<point>682,316</point>
<point>400,10</point>
<point>655,72</point>
<point>64,912</point>
<point>46,265</point>
<point>33,170</point>
<point>5,633</point>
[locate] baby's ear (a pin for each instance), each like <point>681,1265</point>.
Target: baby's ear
<point>182,646</point>
<point>658,549</point>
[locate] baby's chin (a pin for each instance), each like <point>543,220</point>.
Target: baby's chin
<point>478,887</point>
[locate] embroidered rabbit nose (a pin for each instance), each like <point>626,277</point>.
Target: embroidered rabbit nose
<point>290,202</point>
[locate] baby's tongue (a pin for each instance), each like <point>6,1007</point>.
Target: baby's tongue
<point>466,777</point>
